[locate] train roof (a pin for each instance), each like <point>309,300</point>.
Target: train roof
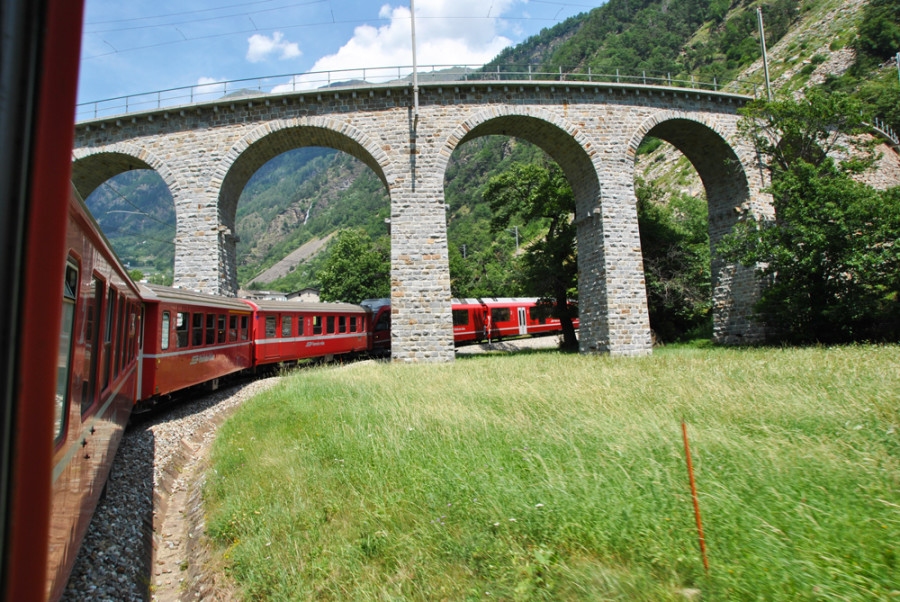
<point>495,301</point>
<point>308,307</point>
<point>158,293</point>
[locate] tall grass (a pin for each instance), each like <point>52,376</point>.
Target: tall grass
<point>548,476</point>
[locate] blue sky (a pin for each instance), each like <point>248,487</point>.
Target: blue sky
<point>135,46</point>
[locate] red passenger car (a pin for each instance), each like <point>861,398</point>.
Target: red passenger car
<point>191,338</point>
<point>476,320</point>
<point>285,331</point>
<point>96,384</point>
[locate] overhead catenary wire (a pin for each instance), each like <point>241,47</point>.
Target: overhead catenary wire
<point>289,27</point>
<point>118,193</point>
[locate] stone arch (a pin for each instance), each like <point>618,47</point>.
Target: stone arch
<point>612,297</point>
<point>91,167</point>
<point>563,141</point>
<point>267,141</point>
<point>728,178</point>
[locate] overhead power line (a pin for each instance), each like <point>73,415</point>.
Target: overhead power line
<point>118,193</point>
<point>206,19</point>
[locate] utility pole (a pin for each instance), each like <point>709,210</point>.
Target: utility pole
<point>412,18</point>
<point>898,65</point>
<point>762,41</point>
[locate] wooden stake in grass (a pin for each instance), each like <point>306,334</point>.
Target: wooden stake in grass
<point>687,452</point>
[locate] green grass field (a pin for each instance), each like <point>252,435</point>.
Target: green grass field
<point>551,476</point>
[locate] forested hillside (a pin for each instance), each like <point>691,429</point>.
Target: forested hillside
<point>310,193</point>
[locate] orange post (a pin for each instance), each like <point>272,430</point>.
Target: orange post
<point>687,452</point>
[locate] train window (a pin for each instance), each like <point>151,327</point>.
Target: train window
<point>61,403</point>
<point>232,328</point>
<point>317,324</point>
<point>210,329</point>
<point>499,314</point>
<point>460,317</point>
<point>182,323</point>
<point>132,322</point>
<point>286,324</point>
<point>244,321</point>
<point>221,329</point>
<point>94,314</point>
<point>352,323</point>
<point>539,313</point>
<point>165,331</point>
<point>120,337</point>
<point>197,330</point>
<point>384,322</point>
<point>300,326</point>
<point>342,323</point>
<point>271,325</point>
<point>107,338</point>
<point>330,329</point>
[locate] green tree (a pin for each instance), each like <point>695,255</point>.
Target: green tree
<point>831,257</point>
<point>356,268</point>
<point>676,256</point>
<point>136,275</point>
<point>533,192</point>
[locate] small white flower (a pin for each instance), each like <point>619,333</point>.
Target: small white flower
<point>538,505</point>
<point>512,520</point>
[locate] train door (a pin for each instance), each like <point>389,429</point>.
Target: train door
<point>270,335</point>
<point>523,321</point>
<point>287,332</point>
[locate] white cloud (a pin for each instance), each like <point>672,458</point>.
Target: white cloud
<point>448,32</point>
<point>261,47</point>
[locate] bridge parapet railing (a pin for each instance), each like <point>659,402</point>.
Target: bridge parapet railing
<point>886,131</point>
<point>385,76</point>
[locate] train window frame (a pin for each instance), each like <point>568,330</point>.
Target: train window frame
<point>500,314</point>
<point>132,331</point>
<point>197,321</point>
<point>164,326</point>
<point>460,317</point>
<point>245,321</point>
<point>384,322</point>
<point>232,328</point>
<point>287,324</point>
<point>342,324</point>
<point>353,324</point>
<point>62,399</point>
<point>329,328</point>
<point>182,332</point>
<point>540,314</point>
<point>271,327</point>
<point>317,324</point>
<point>300,321</point>
<point>92,329</point>
<point>106,347</point>
<point>221,333</point>
<point>210,338</point>
<point>120,337</point>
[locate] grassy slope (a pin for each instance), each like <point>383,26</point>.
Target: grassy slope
<point>563,477</point>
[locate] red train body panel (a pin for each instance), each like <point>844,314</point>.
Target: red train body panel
<point>96,385</point>
<point>284,331</point>
<point>191,338</point>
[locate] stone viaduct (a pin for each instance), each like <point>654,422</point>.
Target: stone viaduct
<point>207,152</point>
